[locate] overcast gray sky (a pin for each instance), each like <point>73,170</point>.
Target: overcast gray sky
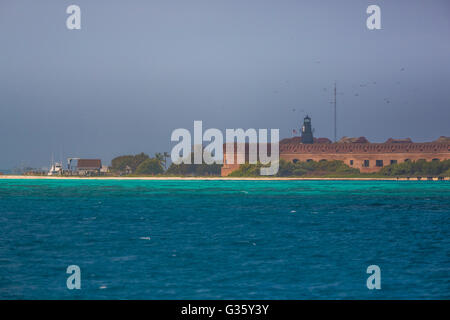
<point>139,69</point>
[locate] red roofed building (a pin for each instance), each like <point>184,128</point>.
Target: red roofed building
<point>89,166</point>
<point>357,153</point>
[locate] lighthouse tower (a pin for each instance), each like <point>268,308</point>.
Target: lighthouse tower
<point>307,134</point>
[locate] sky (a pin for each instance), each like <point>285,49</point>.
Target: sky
<point>137,70</point>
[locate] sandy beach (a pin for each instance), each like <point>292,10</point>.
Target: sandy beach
<point>208,178</point>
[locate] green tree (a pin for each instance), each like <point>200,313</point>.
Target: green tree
<point>159,156</point>
<point>417,168</point>
<point>290,169</point>
<point>446,173</point>
<point>120,163</point>
<point>150,166</point>
<point>194,169</point>
<point>247,170</point>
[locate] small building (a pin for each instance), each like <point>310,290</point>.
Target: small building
<point>128,170</point>
<point>88,167</point>
<point>104,169</point>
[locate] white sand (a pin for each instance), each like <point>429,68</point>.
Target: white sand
<point>194,178</point>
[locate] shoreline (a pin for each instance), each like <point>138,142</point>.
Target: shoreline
<point>19,177</point>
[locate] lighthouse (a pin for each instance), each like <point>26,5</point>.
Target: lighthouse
<point>307,134</point>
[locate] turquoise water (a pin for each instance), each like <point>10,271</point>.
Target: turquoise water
<point>224,239</point>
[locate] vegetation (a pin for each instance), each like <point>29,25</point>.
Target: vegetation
<point>337,169</point>
<point>162,157</point>
<point>194,169</point>
<point>139,164</point>
<point>247,170</point>
<point>142,164</point>
<point>298,169</point>
<point>316,168</point>
<point>446,173</point>
<point>123,164</point>
<point>151,166</point>
<point>419,168</point>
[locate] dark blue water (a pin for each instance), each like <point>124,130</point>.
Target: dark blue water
<point>224,239</point>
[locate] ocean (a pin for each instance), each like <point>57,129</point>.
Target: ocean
<point>136,239</point>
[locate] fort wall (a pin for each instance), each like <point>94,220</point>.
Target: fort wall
<point>367,157</point>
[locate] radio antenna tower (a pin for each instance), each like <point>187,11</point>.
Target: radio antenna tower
<point>335,103</point>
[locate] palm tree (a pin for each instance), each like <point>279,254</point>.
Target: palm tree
<point>165,155</point>
<point>159,156</point>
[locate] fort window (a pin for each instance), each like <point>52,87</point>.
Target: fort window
<point>309,160</point>
<point>379,163</point>
<point>295,160</point>
<point>351,162</point>
<point>393,161</point>
<point>435,159</point>
<point>322,160</point>
<point>366,163</point>
<point>407,160</point>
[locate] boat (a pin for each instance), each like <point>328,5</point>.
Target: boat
<point>56,168</point>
